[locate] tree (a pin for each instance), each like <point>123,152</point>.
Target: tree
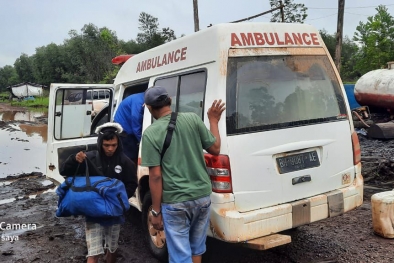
<point>48,64</point>
<point>130,47</point>
<point>376,40</point>
<point>329,41</point>
<point>167,34</point>
<point>151,36</point>
<point>349,50</point>
<point>8,77</point>
<point>293,13</point>
<point>348,61</point>
<point>24,68</point>
<point>88,55</point>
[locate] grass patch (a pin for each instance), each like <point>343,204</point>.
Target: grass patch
<point>4,96</point>
<point>39,102</point>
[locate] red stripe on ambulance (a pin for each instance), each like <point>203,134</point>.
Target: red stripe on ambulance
<point>274,39</point>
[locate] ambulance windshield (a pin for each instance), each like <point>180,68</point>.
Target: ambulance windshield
<point>276,92</point>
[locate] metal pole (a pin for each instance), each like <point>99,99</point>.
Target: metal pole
<point>338,48</point>
<point>281,11</point>
<point>196,20</point>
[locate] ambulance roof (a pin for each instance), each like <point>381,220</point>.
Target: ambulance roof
<point>210,44</point>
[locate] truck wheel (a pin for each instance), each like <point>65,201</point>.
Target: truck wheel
<point>156,240</point>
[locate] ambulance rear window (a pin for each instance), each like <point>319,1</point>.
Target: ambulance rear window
<point>278,92</point>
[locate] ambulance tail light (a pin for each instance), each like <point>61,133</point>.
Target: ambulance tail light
<point>219,171</point>
<point>356,149</point>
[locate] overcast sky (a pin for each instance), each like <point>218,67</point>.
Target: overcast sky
<point>28,24</point>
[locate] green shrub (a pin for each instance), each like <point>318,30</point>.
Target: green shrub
<point>38,102</point>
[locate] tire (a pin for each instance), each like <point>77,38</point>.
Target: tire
<point>155,239</point>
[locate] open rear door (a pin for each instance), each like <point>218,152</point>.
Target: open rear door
<point>72,120</point>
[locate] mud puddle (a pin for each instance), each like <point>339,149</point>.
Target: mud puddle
<point>24,186</point>
<point>23,136</point>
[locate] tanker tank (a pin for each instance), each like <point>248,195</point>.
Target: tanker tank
<point>376,88</point>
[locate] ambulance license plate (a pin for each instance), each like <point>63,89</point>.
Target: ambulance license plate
<point>297,162</point>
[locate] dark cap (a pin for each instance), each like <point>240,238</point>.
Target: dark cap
<point>156,96</point>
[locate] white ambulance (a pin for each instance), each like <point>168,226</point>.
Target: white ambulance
<point>289,155</point>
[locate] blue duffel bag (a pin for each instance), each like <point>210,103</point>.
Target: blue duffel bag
<point>92,196</point>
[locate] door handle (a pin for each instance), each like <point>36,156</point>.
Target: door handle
<point>58,114</point>
<point>301,179</point>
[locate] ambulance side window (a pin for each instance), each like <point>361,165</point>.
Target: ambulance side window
<point>191,93</point>
<point>170,84</point>
<point>72,114</point>
<point>187,91</point>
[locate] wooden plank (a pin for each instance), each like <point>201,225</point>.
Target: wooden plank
<point>267,242</point>
<point>335,203</point>
<point>301,213</point>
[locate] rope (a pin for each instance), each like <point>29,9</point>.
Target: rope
<point>359,117</point>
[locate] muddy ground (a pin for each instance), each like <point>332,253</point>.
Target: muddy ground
<point>346,238</point>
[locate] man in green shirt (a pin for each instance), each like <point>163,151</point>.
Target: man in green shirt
<point>179,183</point>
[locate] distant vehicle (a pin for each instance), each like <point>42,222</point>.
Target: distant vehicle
<point>97,98</point>
<point>74,98</point>
<point>26,89</point>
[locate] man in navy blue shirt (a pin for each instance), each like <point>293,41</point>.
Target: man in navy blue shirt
<point>130,114</point>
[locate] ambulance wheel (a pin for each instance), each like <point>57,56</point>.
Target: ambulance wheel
<point>156,240</point>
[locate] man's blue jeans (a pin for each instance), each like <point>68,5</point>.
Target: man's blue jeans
<point>185,226</point>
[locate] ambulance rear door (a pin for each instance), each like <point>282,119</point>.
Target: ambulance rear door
<point>72,122</point>
<point>288,128</point>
